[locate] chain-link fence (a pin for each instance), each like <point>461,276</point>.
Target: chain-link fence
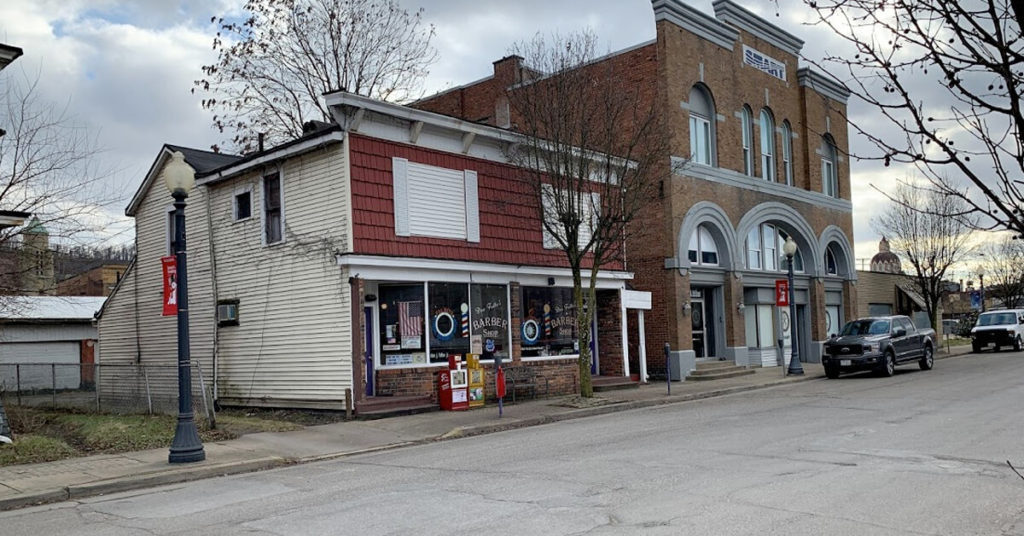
<point>102,388</point>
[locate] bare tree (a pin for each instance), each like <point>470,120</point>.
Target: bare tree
<point>595,154</point>
<point>927,229</point>
<point>1003,267</point>
<point>47,169</point>
<point>273,67</point>
<point>947,77</point>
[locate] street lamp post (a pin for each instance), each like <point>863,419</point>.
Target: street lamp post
<point>981,282</point>
<point>186,446</point>
<point>795,369</point>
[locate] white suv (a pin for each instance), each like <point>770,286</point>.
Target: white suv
<point>1001,328</point>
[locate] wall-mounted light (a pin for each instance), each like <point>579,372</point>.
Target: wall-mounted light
<point>740,306</point>
<point>370,297</point>
<point>686,308</point>
<point>551,281</point>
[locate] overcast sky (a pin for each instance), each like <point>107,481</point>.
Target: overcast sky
<point>126,67</point>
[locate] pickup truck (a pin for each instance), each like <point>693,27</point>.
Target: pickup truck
<point>879,344</point>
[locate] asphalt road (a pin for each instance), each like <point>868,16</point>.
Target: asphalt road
<point>919,453</point>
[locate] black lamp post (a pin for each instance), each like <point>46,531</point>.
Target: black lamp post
<point>186,446</point>
<point>795,368</point>
<point>981,281</point>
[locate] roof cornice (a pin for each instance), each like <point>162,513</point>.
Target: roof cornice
<point>695,22</point>
<point>732,13</point>
<point>822,84</point>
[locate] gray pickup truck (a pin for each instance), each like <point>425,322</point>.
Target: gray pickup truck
<point>879,344</point>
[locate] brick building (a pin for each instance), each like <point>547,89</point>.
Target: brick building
<point>761,144</point>
<point>98,281</point>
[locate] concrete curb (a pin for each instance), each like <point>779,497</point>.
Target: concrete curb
<point>134,482</point>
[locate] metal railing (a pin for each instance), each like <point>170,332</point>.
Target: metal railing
<point>103,388</point>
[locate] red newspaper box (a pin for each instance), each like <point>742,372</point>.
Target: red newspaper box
<point>453,387</point>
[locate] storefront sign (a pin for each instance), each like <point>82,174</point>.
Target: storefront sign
<point>764,63</point>
<point>170,275</point>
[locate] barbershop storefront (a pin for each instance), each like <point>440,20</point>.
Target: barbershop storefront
<point>411,325</point>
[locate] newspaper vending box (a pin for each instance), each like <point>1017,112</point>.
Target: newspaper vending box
<point>453,384</point>
<point>476,381</point>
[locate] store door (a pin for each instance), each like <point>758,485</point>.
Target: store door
<point>368,346</point>
<point>698,325</point>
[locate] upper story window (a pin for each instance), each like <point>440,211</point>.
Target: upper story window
<point>242,206</point>
<point>435,201</point>
<point>746,118</point>
<point>787,152</point>
<point>273,209</point>
<point>586,206</point>
<point>703,249</point>
<point>767,145</point>
<point>764,250</point>
<point>829,176</point>
<point>702,126</point>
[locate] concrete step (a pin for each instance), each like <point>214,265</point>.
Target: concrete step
<point>716,370</point>
<point>719,375</point>
<point>611,383</point>
<point>380,407</point>
<point>712,365</point>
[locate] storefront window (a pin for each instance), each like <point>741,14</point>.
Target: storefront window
<point>548,322</point>
<point>402,325</point>
<point>449,320</point>
<point>489,316</point>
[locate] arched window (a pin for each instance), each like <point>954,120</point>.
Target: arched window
<point>831,266</point>
<point>764,250</point>
<point>703,249</point>
<point>787,152</point>
<point>767,145</point>
<point>702,126</point>
<point>746,117</point>
<point>829,178</point>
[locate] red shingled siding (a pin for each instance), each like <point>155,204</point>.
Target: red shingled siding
<point>510,231</point>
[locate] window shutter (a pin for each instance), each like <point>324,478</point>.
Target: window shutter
<point>400,178</point>
<point>472,207</point>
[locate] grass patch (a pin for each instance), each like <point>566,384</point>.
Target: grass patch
<point>35,449</point>
<point>42,434</point>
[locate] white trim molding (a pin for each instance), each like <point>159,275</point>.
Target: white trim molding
<point>386,268</point>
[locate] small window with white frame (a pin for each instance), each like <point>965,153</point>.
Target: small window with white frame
<point>242,205</point>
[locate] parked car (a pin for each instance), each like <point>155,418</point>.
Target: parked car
<point>1000,328</point>
<point>879,344</point>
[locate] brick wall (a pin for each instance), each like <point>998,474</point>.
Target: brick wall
<point>609,333</point>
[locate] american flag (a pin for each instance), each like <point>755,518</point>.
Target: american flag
<point>410,318</point>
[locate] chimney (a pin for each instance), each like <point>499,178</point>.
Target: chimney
<point>508,71</point>
<point>260,142</point>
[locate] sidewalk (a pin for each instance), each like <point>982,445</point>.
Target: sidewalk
<point>76,478</point>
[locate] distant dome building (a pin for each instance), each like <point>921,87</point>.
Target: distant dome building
<point>886,261</point>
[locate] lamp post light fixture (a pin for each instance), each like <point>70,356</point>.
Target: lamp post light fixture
<point>186,446</point>
<point>795,369</point>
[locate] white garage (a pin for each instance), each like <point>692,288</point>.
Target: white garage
<point>45,339</point>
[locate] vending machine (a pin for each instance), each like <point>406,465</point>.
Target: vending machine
<point>453,385</point>
<point>476,381</point>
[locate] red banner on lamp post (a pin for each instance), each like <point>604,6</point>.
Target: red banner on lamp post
<point>170,271</point>
<point>782,292</point>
